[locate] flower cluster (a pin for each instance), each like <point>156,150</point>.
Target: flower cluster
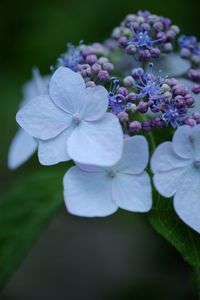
<point>90,61</point>
<point>145,35</point>
<point>95,101</point>
<point>190,48</point>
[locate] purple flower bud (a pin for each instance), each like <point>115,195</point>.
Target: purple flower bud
<point>161,36</point>
<point>188,99</point>
<point>185,53</point>
<point>142,107</point>
<point>91,59</point>
<point>102,60</point>
<point>90,84</point>
<point>170,35</point>
<point>196,89</point>
<point>128,81</point>
<point>88,51</point>
<point>155,52</point>
<point>144,54</point>
<point>196,116</point>
<point>103,76</point>
<point>122,91</point>
<point>167,47</point>
<point>196,59</point>
<point>96,68</point>
<point>123,42</point>
<point>131,49</point>
<point>123,117</point>
<point>157,123</point>
<point>137,73</point>
<point>146,125</point>
<point>193,74</point>
<point>190,122</point>
<point>132,97</point>
<point>135,126</point>
<point>108,67</point>
<point>158,26</point>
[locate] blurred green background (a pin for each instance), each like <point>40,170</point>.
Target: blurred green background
<point>114,258</point>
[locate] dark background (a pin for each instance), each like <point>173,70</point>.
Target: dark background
<point>119,257</point>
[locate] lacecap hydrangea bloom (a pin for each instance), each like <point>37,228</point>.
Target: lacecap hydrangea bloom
<point>102,98</point>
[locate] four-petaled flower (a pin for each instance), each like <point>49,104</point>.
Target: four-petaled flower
<point>176,168</point>
<point>72,123</point>
<point>95,191</point>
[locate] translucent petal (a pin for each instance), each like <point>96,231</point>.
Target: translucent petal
<point>187,199</point>
<point>88,194</point>
<point>42,119</point>
<point>132,192</point>
<point>97,143</point>
<point>135,156</point>
<point>53,151</point>
<point>67,90</point>
<point>21,149</point>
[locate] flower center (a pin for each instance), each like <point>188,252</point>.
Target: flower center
<point>112,173</point>
<point>76,118</point>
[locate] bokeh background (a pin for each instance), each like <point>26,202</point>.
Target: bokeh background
<point>116,258</point>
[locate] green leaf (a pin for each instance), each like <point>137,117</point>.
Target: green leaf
<point>166,222</point>
<point>24,211</point>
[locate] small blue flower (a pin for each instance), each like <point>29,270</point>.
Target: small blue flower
<point>188,42</point>
<point>116,101</point>
<point>148,85</point>
<point>174,114</point>
<point>71,58</point>
<point>142,39</point>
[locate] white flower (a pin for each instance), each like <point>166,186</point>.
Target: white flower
<point>176,168</point>
<point>95,191</point>
<point>23,145</point>
<point>72,123</point>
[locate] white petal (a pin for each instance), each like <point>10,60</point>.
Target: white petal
<point>168,182</point>
<point>42,119</point>
<point>184,142</point>
<point>21,149</point>
<point>96,103</point>
<point>88,194</point>
<point>187,199</point>
<point>135,156</point>
<point>132,192</point>
<point>171,65</point>
<point>169,169</point>
<point>97,143</point>
<point>67,90</point>
<point>53,151</point>
<point>165,159</point>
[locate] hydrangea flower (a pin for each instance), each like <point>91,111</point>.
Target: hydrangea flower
<point>95,191</point>
<point>72,123</point>
<point>176,168</point>
<point>24,145</point>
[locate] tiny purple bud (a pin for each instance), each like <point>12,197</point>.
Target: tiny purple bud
<point>123,117</point>
<point>135,126</point>
<point>190,122</point>
<point>90,84</point>
<point>103,76</point>
<point>167,47</point>
<point>96,68</point>
<point>132,97</point>
<point>91,59</point>
<point>123,42</point>
<point>108,67</point>
<point>122,91</point>
<point>196,89</point>
<point>185,53</point>
<point>142,107</point>
<point>146,125</point>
